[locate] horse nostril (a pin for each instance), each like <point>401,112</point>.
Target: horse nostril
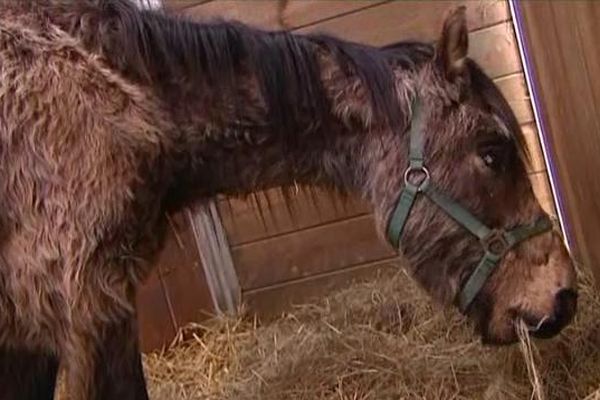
<point>565,306</point>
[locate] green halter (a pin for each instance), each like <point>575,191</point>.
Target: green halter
<point>495,242</point>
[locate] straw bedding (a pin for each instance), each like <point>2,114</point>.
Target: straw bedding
<point>382,339</point>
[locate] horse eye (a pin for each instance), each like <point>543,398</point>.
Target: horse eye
<point>492,157</point>
<point>489,159</point>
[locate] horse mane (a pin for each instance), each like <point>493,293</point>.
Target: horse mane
<point>152,46</point>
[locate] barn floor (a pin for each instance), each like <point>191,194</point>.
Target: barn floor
<point>376,340</point>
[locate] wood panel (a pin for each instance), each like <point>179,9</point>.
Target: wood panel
<point>562,42</point>
<point>273,300</point>
<point>532,140</point>
<point>181,5</point>
<point>155,319</point>
<point>400,20</point>
<point>215,255</point>
<point>267,214</point>
<point>491,40</point>
<point>182,274</point>
<point>421,18</point>
<point>514,89</point>
<point>541,188</point>
<point>495,50</point>
<point>269,14</point>
<point>304,253</point>
<point>176,292</point>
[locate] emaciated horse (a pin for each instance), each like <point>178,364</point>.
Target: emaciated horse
<point>111,116</point>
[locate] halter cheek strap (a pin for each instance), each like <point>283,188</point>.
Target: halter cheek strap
<point>495,242</point>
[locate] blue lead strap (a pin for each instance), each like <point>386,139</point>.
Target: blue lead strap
<point>416,139</point>
<point>480,275</point>
<point>458,213</point>
<point>524,232</point>
<point>408,195</point>
<point>400,215</point>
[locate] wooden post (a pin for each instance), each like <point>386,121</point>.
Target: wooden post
<point>215,254</point>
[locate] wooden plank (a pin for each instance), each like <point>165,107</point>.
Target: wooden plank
<point>562,43</point>
<point>258,13</point>
<point>215,256</point>
<point>156,324</point>
<point>177,6</point>
<point>401,20</point>
<point>514,89</point>
<point>495,49</point>
<point>309,252</point>
<point>271,301</point>
<point>541,188</point>
<point>244,222</point>
<point>300,13</point>
<point>185,284</point>
<point>535,148</point>
<point>268,14</point>
<point>491,40</point>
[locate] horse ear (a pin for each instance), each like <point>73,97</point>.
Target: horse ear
<point>453,45</point>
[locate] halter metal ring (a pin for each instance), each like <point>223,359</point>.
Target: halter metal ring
<point>496,243</point>
<point>410,173</point>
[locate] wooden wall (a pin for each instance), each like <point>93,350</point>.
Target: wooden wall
<point>562,41</point>
<point>280,259</point>
<point>177,292</point>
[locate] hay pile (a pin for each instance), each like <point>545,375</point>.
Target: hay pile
<point>378,340</point>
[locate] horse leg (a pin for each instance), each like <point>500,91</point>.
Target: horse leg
<point>27,376</point>
<point>118,370</point>
<point>107,365</point>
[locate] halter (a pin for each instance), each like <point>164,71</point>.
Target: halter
<point>495,242</point>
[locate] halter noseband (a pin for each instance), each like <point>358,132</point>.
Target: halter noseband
<point>495,242</point>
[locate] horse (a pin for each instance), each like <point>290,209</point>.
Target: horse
<point>113,116</point>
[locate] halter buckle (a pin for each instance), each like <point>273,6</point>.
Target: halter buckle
<point>411,173</point>
<point>496,243</point>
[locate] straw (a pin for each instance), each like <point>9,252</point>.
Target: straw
<point>382,339</point>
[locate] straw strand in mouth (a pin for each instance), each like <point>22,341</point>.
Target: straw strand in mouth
<point>527,350</point>
<point>537,326</point>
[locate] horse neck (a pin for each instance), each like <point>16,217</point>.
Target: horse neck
<point>243,123</point>
<point>234,158</point>
<point>236,150</point>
